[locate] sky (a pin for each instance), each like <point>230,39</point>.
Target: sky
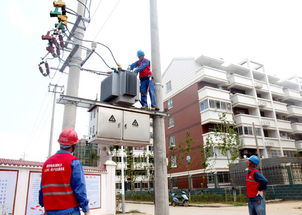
<point>266,31</point>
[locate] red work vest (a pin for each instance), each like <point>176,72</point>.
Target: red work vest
<point>145,72</point>
<point>251,185</point>
<point>56,188</point>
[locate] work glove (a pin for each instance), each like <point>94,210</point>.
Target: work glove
<point>260,193</point>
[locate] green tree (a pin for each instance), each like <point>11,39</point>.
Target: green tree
<point>225,138</point>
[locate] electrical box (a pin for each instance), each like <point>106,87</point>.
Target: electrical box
<point>120,88</point>
<point>119,127</point>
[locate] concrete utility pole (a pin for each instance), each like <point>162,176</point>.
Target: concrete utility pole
<point>53,89</point>
<point>161,180</point>
<point>257,146</point>
<point>70,110</point>
<point>123,180</point>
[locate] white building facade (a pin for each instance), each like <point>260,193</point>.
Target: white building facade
<point>248,95</point>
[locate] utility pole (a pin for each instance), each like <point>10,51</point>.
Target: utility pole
<point>70,110</point>
<point>257,147</point>
<point>161,183</point>
<point>53,89</point>
<point>123,180</point>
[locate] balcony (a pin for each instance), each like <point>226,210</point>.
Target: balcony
<point>292,95</point>
<point>297,128</point>
<point>249,141</point>
<point>240,81</point>
<point>218,163</point>
<point>277,90</point>
<point>246,119</point>
<point>260,85</point>
<point>294,110</point>
<point>268,122</point>
<point>212,116</point>
<point>212,75</point>
<point>287,143</point>
<point>280,107</point>
<point>264,104</point>
<point>213,93</point>
<point>242,100</point>
<point>299,145</point>
<point>284,125</point>
<point>271,142</point>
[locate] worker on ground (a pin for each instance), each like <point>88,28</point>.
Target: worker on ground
<point>146,80</point>
<point>255,186</point>
<point>63,188</point>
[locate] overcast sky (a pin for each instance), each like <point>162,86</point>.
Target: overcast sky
<point>267,31</point>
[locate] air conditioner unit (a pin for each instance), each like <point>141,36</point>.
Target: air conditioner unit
<point>262,103</point>
<point>258,85</point>
<point>265,123</point>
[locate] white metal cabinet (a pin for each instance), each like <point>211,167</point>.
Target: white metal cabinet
<point>109,123</point>
<point>136,126</point>
<point>118,127</point>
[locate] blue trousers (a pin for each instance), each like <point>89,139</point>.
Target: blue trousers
<point>147,85</point>
<point>256,207</point>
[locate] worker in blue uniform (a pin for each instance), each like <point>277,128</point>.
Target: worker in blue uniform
<point>146,80</point>
<point>255,186</point>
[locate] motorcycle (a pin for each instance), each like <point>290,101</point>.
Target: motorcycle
<point>179,200</point>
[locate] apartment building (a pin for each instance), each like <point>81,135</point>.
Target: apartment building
<point>141,162</point>
<point>197,91</point>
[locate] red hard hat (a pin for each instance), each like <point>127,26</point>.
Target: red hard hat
<point>68,137</point>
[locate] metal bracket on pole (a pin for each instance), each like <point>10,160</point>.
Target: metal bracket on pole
<point>75,26</point>
<point>90,104</point>
<point>71,54</point>
<point>87,57</point>
<point>96,72</point>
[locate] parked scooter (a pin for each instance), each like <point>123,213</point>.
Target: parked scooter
<point>179,200</point>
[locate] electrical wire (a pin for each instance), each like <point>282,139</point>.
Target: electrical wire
<point>96,9</point>
<point>90,41</point>
<point>103,60</point>
<point>99,31</point>
<point>86,8</point>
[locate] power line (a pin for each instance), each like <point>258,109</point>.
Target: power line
<point>90,41</point>
<point>99,31</point>
<point>86,8</point>
<point>96,9</point>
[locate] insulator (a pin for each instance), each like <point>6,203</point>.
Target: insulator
<point>47,69</point>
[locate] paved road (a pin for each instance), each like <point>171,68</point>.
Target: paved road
<point>281,208</point>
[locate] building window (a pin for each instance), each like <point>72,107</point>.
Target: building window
<point>245,130</point>
<point>172,141</point>
<point>289,154</point>
<point>168,86</point>
<point>223,177</point>
<point>204,105</point>
<point>170,103</point>
<point>273,153</point>
<point>173,161</point>
<point>212,103</point>
<point>258,132</point>
<point>248,130</point>
<point>118,186</point>
<point>216,104</point>
<point>240,131</point>
<point>170,122</point>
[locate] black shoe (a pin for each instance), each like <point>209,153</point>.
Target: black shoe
<point>155,109</point>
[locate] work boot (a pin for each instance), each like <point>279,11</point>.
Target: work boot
<point>155,109</point>
<point>144,107</point>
